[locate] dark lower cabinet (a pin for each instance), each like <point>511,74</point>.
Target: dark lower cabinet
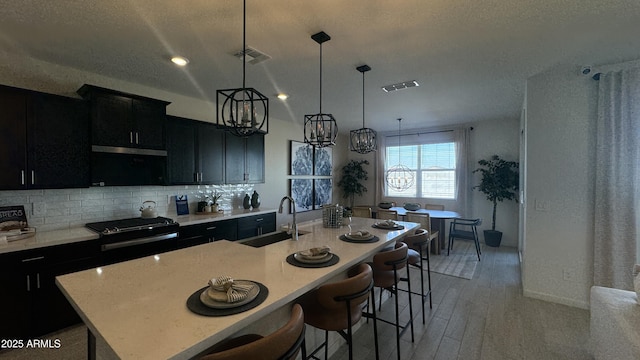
<point>256,225</point>
<point>32,305</point>
<point>208,232</point>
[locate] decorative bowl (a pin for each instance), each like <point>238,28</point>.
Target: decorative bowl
<point>385,205</point>
<point>412,206</point>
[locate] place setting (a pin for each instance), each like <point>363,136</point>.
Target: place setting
<point>361,236</point>
<point>227,296</point>
<point>316,257</point>
<point>387,225</point>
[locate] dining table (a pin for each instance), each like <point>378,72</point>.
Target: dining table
<point>143,309</point>
<point>438,222</point>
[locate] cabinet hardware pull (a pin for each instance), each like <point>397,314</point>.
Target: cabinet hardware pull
<point>38,280</point>
<point>211,228</point>
<point>21,177</point>
<point>33,259</point>
<point>130,137</point>
<point>33,177</point>
<point>28,283</point>
<point>259,219</point>
<point>137,138</point>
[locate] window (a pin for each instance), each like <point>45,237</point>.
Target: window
<point>433,166</point>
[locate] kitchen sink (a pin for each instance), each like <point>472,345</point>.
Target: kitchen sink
<point>269,238</point>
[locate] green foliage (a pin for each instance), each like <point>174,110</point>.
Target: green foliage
<point>350,183</point>
<point>499,181</point>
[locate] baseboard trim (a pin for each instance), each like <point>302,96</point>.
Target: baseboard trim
<point>556,299</point>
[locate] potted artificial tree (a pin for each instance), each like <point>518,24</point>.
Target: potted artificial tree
<point>499,182</point>
<point>350,183</point>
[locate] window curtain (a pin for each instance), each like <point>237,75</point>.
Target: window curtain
<point>617,179</point>
<point>461,136</point>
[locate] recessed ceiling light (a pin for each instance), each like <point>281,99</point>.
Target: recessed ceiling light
<point>179,60</point>
<point>282,96</point>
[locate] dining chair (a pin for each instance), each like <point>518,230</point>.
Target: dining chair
<point>361,211</point>
<point>434,207</point>
<point>285,343</point>
<point>338,306</point>
<point>385,214</point>
<point>424,220</point>
<point>464,229</point>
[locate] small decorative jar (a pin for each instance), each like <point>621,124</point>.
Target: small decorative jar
<point>247,202</point>
<point>255,200</point>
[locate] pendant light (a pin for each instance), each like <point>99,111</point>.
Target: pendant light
<point>399,177</point>
<point>363,140</point>
<point>320,130</point>
<point>244,111</point>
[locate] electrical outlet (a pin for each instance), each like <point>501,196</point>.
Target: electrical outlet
<point>568,274</point>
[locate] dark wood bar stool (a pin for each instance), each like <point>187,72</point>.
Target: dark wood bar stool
<point>417,242</point>
<point>386,277</point>
<point>283,344</point>
<point>338,306</point>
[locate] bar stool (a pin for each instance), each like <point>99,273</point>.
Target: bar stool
<point>285,343</point>
<point>385,276</point>
<point>338,306</point>
<point>361,211</point>
<point>416,243</point>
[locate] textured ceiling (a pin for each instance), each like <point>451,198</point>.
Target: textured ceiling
<point>471,58</point>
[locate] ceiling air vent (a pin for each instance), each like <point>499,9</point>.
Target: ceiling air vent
<point>253,56</point>
<point>399,86</point>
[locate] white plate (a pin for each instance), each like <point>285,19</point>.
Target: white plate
<point>356,237</point>
<point>385,225</point>
<point>207,300</point>
<point>308,260</point>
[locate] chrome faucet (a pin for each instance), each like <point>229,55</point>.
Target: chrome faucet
<point>293,228</point>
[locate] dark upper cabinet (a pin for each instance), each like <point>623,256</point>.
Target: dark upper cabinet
<point>195,152</point>
<point>124,120</point>
<point>58,147</point>
<point>45,141</point>
<point>244,159</point>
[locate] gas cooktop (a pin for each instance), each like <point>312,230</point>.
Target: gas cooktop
<point>131,224</point>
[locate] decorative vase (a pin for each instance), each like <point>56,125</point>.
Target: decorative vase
<point>636,281</point>
<point>214,208</point>
<point>255,200</point>
<point>247,202</point>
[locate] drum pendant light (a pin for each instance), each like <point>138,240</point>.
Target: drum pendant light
<point>399,177</point>
<point>363,140</point>
<point>244,111</point>
<point>320,130</point>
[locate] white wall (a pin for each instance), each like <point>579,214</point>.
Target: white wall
<point>488,138</point>
<point>561,115</point>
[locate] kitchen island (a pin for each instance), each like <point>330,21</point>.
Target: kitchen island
<point>138,308</point>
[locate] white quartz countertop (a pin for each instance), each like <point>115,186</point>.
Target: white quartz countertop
<point>139,307</point>
<point>66,236</point>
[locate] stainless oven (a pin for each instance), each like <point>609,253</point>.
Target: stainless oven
<point>127,239</point>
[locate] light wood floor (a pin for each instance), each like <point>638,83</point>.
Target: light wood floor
<point>484,318</point>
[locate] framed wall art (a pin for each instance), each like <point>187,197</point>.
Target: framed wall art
<point>301,158</point>
<point>323,189</point>
<point>302,194</point>
<point>323,161</point>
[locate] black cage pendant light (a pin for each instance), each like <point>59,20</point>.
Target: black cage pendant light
<point>243,111</point>
<point>363,140</point>
<point>399,177</point>
<point>320,129</point>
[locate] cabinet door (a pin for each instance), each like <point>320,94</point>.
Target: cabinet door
<point>181,151</point>
<point>256,225</point>
<point>111,123</point>
<point>255,159</point>
<point>234,159</point>
<point>150,125</point>
<point>13,138</point>
<point>14,303</point>
<point>211,154</point>
<point>59,146</point>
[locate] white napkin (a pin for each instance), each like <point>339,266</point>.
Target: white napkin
<point>316,251</point>
<point>360,234</point>
<point>235,292</point>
